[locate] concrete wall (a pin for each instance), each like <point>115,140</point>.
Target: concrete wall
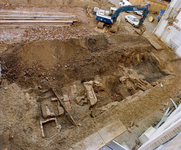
<point>156,6</point>
<point>169,27</point>
<point>80,3</point>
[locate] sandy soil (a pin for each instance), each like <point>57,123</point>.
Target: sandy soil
<point>38,59</point>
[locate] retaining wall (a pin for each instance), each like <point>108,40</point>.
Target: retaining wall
<point>156,6</point>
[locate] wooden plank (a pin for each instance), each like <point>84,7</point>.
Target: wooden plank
<point>10,12</point>
<point>24,26</point>
<point>153,41</point>
<point>26,19</point>
<point>155,45</point>
<point>30,23</point>
<point>62,103</point>
<point>35,17</point>
<point>34,21</point>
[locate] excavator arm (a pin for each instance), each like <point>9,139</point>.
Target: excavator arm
<point>111,19</point>
<point>125,9</point>
<point>145,13</point>
<point>145,10</point>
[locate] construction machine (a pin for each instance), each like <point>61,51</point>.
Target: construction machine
<point>109,18</point>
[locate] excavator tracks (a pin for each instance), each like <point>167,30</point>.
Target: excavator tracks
<point>100,25</point>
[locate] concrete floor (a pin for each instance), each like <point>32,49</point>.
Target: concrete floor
<point>150,26</point>
<point>130,138</point>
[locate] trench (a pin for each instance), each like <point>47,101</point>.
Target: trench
<point>42,65</point>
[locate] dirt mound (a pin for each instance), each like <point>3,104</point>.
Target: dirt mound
<point>79,3</point>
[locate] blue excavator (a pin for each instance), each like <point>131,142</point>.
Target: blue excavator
<point>109,18</point>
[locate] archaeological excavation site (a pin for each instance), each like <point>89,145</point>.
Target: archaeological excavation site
<point>79,75</point>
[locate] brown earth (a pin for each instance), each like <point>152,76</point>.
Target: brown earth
<point>36,64</point>
<point>70,3</point>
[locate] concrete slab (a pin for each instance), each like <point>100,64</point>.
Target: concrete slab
<point>111,131</point>
<point>102,137</point>
<point>92,142</point>
<point>143,125</point>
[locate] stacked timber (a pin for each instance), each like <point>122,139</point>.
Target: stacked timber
<point>25,19</point>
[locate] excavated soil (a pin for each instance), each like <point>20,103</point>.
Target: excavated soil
<point>33,69</point>
<point>53,64</point>
<point>43,62</point>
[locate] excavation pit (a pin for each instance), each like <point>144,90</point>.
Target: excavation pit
<point>74,59</point>
<point>56,64</point>
<point>64,66</point>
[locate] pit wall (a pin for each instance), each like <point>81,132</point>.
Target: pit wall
<point>80,3</point>
<point>73,59</point>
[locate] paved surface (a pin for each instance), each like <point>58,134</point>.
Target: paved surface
<point>143,125</point>
<point>150,26</point>
<point>101,137</point>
